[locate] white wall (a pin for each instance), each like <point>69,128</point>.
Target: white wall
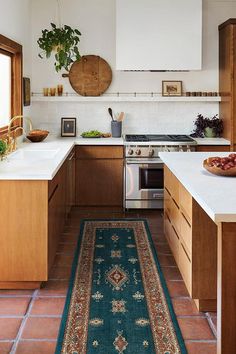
<point>96,21</point>
<point>15,24</point>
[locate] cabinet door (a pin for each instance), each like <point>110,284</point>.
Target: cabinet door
<point>53,224</point>
<point>56,211</point>
<point>99,182</point>
<point>70,182</point>
<point>214,148</point>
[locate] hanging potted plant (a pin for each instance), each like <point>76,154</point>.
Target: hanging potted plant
<point>63,41</point>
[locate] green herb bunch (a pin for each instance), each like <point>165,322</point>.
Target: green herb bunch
<point>3,148</point>
<point>63,41</point>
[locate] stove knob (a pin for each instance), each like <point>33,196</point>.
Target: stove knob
<point>138,152</point>
<point>130,152</point>
<point>188,148</point>
<point>150,152</point>
<point>181,148</point>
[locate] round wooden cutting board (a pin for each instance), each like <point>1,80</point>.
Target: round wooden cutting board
<point>90,76</point>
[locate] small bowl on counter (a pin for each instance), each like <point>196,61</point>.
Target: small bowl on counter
<point>37,135</point>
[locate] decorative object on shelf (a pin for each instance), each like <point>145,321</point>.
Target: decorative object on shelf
<point>68,126</point>
<point>26,91</point>
<point>63,42</point>
<point>221,166</point>
<point>92,134</point>
<point>59,90</point>
<point>201,93</point>
<point>37,135</point>
<point>46,91</point>
<point>52,91</point>
<point>91,76</point>
<point>207,127</point>
<point>171,88</point>
<point>3,149</point>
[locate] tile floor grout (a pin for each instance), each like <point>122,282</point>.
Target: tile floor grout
<point>22,326</point>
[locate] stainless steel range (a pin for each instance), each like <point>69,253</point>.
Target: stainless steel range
<point>144,175</point>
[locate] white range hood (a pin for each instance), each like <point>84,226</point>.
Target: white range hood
<point>159,35</point>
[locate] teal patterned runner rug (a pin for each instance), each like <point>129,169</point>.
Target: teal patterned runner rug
<point>118,302</point>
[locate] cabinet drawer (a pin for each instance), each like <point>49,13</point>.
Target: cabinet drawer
<point>172,210</point>
<point>186,234</point>
<point>185,268</point>
<point>172,238</point>
<point>99,152</point>
<point>171,184</point>
<point>185,203</point>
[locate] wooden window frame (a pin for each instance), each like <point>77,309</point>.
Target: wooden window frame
<point>14,50</point>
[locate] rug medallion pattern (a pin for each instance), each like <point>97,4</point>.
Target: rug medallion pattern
<point>117,303</point>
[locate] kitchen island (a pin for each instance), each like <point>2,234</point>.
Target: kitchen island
<point>214,197</point>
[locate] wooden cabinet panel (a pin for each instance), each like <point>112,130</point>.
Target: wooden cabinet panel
<point>214,148</point>
<point>191,235</point>
<point>185,202</point>
<point>186,234</point>
<point>99,152</point>
<point>57,211</point>
<point>185,268</point>
<point>172,238</point>
<point>99,176</point>
<point>171,184</point>
<point>70,181</point>
<point>99,182</point>
<point>23,235</point>
<point>227,82</point>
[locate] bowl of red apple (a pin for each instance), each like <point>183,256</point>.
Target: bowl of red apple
<point>221,166</point>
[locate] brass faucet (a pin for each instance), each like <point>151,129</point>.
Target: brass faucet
<point>11,140</point>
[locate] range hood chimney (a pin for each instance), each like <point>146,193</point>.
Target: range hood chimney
<point>158,35</point>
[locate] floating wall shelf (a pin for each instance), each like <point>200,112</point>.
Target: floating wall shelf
<point>121,98</point>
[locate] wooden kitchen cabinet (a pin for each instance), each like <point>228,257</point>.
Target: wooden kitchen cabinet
<point>35,211</point>
<point>191,235</point>
<point>212,148</point>
<point>99,176</point>
<point>227,82</point>
<point>70,184</point>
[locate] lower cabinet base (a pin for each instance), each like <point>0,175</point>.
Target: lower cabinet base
<point>206,305</point>
<point>20,285</point>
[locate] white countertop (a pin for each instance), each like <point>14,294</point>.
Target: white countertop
<point>215,194</point>
<point>97,141</point>
<point>212,141</point>
<point>26,167</point>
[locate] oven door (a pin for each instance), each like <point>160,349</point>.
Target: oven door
<point>144,183</point>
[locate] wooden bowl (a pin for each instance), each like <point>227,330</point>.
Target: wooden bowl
<point>217,170</point>
<point>37,135</point>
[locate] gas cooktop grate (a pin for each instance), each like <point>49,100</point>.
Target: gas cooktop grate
<point>157,137</point>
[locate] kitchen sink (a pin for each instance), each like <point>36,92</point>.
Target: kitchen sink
<point>33,154</point>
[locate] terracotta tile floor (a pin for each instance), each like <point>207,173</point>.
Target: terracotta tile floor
<point>29,320</point>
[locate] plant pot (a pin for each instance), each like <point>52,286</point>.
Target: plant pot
<point>209,133</point>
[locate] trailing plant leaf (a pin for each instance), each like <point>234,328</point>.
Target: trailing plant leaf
<point>63,42</point>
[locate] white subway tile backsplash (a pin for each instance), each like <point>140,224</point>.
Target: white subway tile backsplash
<point>141,117</point>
